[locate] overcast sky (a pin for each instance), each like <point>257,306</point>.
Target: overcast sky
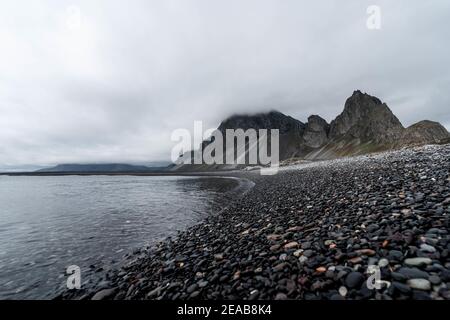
<point>113,85</point>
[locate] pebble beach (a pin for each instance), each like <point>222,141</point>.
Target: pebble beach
<point>313,231</point>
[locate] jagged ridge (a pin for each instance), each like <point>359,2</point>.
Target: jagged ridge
<point>365,125</point>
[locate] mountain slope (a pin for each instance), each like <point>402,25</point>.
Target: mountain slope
<point>424,132</point>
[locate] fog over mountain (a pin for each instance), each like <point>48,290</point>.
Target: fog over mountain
<point>113,85</point>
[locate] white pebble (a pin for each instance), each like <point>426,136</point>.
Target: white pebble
<point>383,263</point>
<point>343,291</point>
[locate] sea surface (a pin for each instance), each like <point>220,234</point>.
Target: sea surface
<point>50,223</point>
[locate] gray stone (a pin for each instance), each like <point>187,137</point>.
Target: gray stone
<point>434,280</point>
<point>427,248</point>
<point>403,288</point>
<point>281,296</point>
<point>383,263</point>
<point>308,253</point>
<point>417,262</point>
<point>354,279</point>
<point>192,288</point>
<point>419,284</point>
<point>343,291</point>
<point>395,255</point>
<point>104,294</point>
<point>303,259</point>
<point>412,273</point>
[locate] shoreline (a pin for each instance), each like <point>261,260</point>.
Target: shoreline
<point>227,187</point>
<point>152,209</point>
<point>309,232</point>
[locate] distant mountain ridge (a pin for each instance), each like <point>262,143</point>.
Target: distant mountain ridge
<point>365,125</point>
<point>107,167</point>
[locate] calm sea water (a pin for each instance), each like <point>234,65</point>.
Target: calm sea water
<point>49,223</point>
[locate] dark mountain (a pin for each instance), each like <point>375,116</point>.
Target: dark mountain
<point>366,118</point>
<point>291,130</point>
<point>108,167</point>
<point>316,132</point>
<point>270,120</point>
<point>365,125</point>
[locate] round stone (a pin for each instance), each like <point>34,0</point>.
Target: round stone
<point>354,279</point>
<point>427,248</point>
<point>281,296</point>
<point>395,255</point>
<point>419,284</point>
<point>434,280</point>
<point>417,262</point>
<point>413,273</point>
<point>302,259</point>
<point>308,253</point>
<point>343,291</point>
<point>291,245</point>
<point>383,263</point>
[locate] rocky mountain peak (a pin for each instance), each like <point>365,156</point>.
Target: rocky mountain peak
<point>366,118</point>
<point>316,122</point>
<point>316,132</point>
